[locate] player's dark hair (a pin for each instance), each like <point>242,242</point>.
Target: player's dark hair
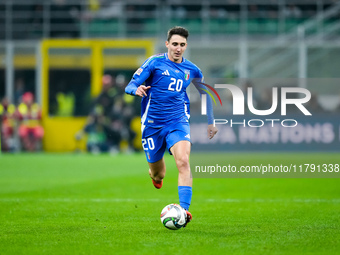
<point>178,31</point>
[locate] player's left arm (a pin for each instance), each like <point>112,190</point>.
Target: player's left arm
<point>199,84</point>
<point>212,130</point>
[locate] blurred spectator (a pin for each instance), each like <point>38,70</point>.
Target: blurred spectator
<point>126,108</point>
<point>97,130</point>
<point>30,130</point>
<point>66,103</point>
<point>102,130</point>
<point>112,125</point>
<point>110,99</point>
<point>107,95</point>
<point>7,126</point>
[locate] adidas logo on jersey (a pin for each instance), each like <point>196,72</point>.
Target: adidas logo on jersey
<point>166,73</point>
<point>187,136</point>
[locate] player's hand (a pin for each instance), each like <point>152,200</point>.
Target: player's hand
<point>212,131</point>
<point>141,90</point>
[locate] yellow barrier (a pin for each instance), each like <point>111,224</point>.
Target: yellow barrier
<point>60,131</point>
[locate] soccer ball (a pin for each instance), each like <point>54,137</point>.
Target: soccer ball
<point>173,216</point>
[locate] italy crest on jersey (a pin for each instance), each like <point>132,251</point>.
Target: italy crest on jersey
<point>187,74</point>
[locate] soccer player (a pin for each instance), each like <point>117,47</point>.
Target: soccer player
<point>31,131</point>
<point>165,111</point>
<point>7,125</point>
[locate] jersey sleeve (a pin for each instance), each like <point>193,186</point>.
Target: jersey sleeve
<point>198,81</point>
<point>139,77</point>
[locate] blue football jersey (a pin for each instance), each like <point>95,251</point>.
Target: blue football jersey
<point>166,100</point>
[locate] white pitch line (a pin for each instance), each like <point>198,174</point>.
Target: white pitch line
<point>78,200</point>
<point>212,200</point>
<point>276,200</point>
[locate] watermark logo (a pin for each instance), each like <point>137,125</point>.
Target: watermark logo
<point>204,87</point>
<point>299,98</point>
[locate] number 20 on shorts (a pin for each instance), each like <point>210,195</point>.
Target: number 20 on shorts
<point>148,144</point>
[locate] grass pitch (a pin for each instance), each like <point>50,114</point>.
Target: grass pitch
<point>85,204</point>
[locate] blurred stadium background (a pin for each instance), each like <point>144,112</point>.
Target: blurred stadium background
<point>76,56</point>
<point>59,50</point>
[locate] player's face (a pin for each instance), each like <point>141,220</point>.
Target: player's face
<point>176,48</point>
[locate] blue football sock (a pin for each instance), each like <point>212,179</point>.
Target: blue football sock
<point>185,194</point>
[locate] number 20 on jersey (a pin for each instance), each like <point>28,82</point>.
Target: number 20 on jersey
<point>175,85</point>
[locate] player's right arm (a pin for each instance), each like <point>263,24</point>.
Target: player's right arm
<point>135,86</point>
